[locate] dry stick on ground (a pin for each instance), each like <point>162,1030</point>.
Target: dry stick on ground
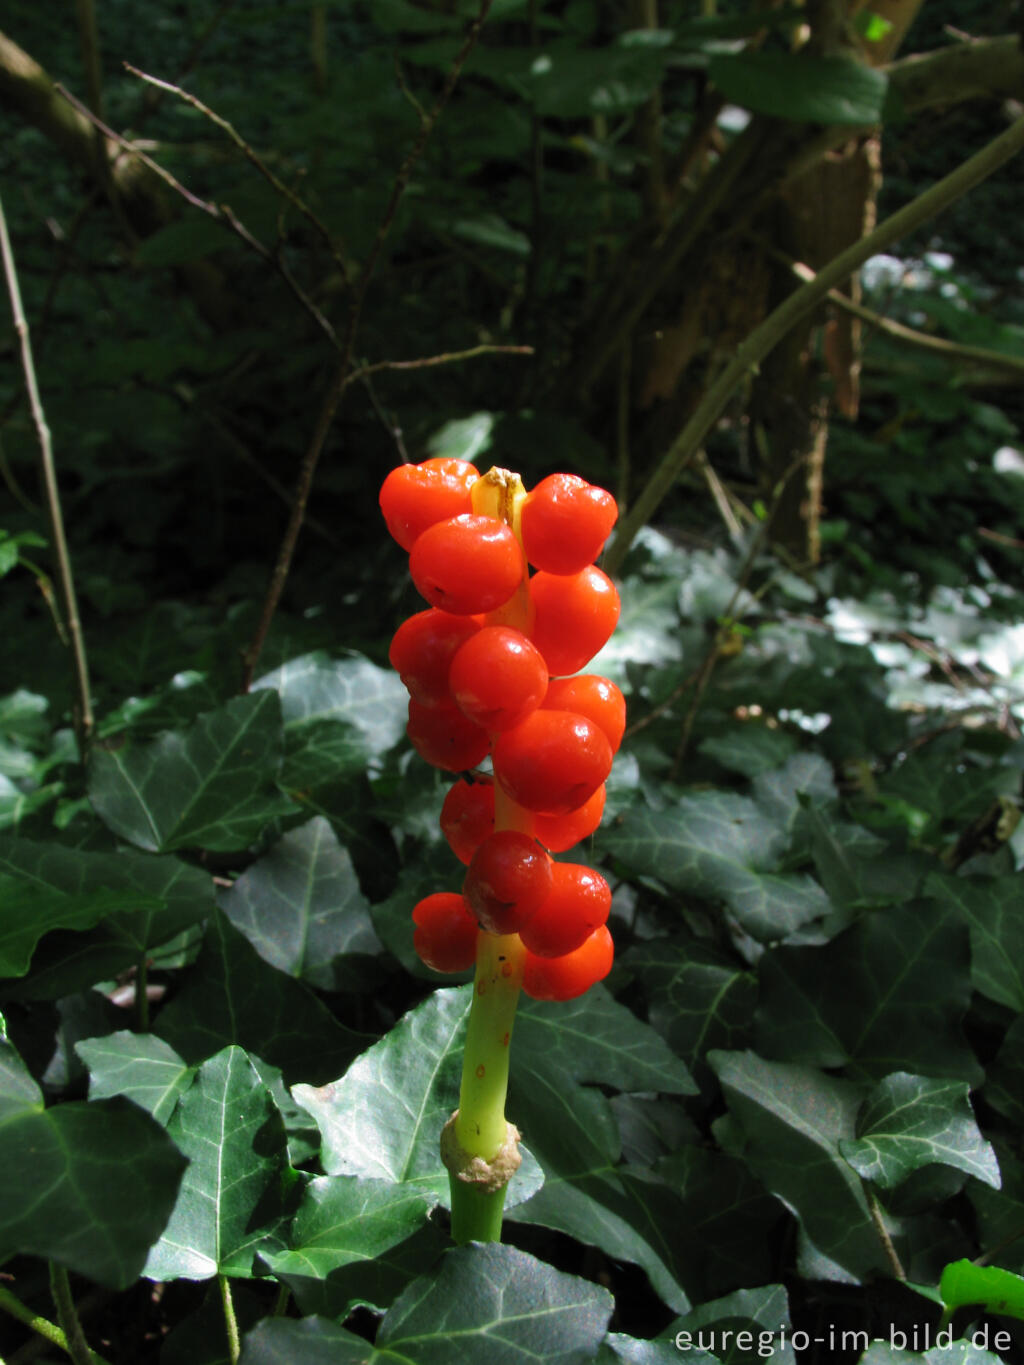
<point>332,399</point>
<point>798,305</point>
<point>83,716</point>
<point>220,213</point>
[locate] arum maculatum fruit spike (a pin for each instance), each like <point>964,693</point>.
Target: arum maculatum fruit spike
<point>493,670</point>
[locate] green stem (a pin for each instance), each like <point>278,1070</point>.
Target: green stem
<point>67,1315</point>
<point>803,301</point>
<point>43,1327</point>
<point>481,1128</point>
<point>230,1321</point>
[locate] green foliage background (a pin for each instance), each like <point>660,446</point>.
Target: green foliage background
<point>813,1028</point>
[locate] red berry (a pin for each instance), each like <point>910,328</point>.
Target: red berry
<point>564,978</point>
<point>467,564</point>
<point>578,903</point>
<point>422,651</point>
<point>445,738</point>
<point>553,762</point>
<point>467,817</point>
<point>508,881</point>
<point>565,523</point>
<point>415,496</point>
<point>575,617</point>
<point>445,934</point>
<point>498,677</point>
<point>592,696</point>
<point>560,832</point>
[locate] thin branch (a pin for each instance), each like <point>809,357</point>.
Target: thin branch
<point>429,362</point>
<point>284,190</point>
<point>878,1222</point>
<point>83,716</point>
<point>794,308</point>
<point>332,399</point>
<point>951,350</point>
<point>220,213</point>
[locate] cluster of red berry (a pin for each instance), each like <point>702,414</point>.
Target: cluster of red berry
<point>487,670</point>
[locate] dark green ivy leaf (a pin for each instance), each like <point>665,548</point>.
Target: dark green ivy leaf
<point>212,786</point>
<point>302,909</point>
<point>88,1185</point>
<point>500,1305</point>
<point>909,1122</point>
<point>230,995</point>
<point>232,1198</point>
<point>887,995</point>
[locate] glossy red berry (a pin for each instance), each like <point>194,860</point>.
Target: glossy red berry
<point>577,904</point>
<point>422,651</point>
<point>564,978</point>
<point>467,564</point>
<point>575,617</point>
<point>445,934</point>
<point>560,832</point>
<point>565,523</point>
<point>445,738</point>
<point>508,881</point>
<point>467,817</point>
<point>415,496</point>
<point>553,762</point>
<point>592,696</point>
<point>498,677</point>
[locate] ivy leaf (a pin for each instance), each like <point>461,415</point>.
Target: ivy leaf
<point>339,714</point>
<point>211,786</point>
<point>698,998</point>
<point>88,1185</point>
<point>228,1126</point>
<point>636,1351</point>
<point>905,986</point>
<point>382,1120</point>
<point>991,908</point>
<point>302,909</point>
<point>18,1089</point>
<point>720,846</point>
<point>908,1122</point>
<point>799,87</point>
<point>346,1219</point>
<point>28,912</point>
<point>502,1306</point>
<point>230,995</point>
<point>139,1066</point>
<point>792,1119</point>
<point>749,749</point>
<point>762,1313</point>
<point>151,900</point>
<point>562,1053</point>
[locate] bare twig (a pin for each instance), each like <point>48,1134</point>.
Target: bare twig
<point>952,350</point>
<point>220,213</point>
<point>83,716</point>
<point>284,190</point>
<point>429,362</point>
<point>999,539</point>
<point>332,399</point>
